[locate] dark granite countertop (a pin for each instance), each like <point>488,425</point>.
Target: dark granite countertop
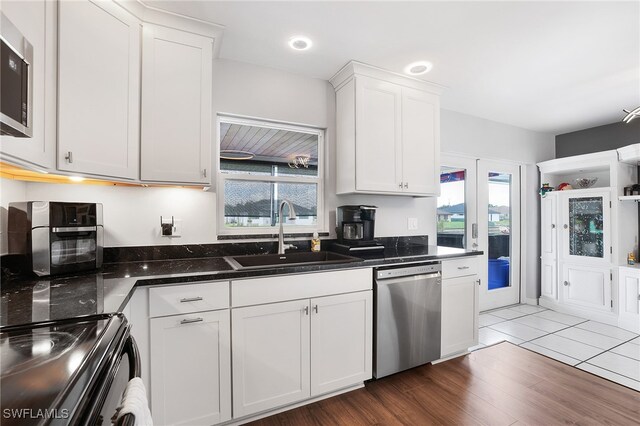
<point>32,299</point>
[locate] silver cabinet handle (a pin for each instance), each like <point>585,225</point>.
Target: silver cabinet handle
<point>306,310</point>
<point>553,226</point>
<point>69,157</point>
<point>191,320</point>
<point>463,267</point>
<point>315,308</point>
<point>190,299</point>
<point>406,185</point>
<point>204,172</point>
<point>566,226</point>
<point>479,281</point>
<point>566,283</point>
<point>400,185</point>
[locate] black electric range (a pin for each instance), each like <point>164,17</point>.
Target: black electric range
<point>65,372</point>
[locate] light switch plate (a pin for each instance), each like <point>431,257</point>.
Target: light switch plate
<point>412,223</point>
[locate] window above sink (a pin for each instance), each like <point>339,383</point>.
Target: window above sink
<point>260,163</point>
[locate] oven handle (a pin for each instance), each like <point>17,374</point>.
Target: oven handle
<point>131,348</point>
<point>66,229</point>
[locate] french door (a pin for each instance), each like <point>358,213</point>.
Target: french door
<point>479,208</point>
<point>499,233</point>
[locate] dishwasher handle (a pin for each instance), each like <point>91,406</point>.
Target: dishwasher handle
<point>408,278</point>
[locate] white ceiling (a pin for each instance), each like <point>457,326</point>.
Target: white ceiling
<point>547,66</point>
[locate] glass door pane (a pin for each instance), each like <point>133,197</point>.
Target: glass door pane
<point>499,226</point>
<point>452,217</point>
<point>586,224</point>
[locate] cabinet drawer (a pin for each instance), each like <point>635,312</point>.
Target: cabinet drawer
<point>459,267</point>
<point>256,291</point>
<point>186,298</point>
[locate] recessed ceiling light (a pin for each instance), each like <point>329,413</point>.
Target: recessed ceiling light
<point>76,178</point>
<point>300,43</point>
<point>418,68</point>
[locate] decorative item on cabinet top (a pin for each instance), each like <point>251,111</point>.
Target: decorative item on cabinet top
<point>9,171</point>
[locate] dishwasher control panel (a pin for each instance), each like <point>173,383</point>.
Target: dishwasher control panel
<point>429,268</point>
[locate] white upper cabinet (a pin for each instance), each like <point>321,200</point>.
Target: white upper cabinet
<point>36,21</point>
<point>388,133</point>
<point>378,145</point>
<point>98,89</point>
<point>420,142</point>
<point>176,106</point>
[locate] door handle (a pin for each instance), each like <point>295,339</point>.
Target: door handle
<point>553,226</point>
<point>191,320</point>
<point>566,226</point>
<point>190,299</point>
<point>406,185</point>
<point>306,310</point>
<point>566,283</point>
<point>315,308</point>
<point>69,157</point>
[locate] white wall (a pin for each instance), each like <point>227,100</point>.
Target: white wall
<point>10,191</point>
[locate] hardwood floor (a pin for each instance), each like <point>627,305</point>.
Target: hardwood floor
<point>499,385</point>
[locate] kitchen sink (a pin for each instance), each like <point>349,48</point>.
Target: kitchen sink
<point>260,261</point>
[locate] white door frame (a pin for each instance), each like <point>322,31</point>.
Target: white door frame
<point>509,295</point>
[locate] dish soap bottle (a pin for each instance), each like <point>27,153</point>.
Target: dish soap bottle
<point>315,242</point>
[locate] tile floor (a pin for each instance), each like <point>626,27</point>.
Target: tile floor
<point>601,349</point>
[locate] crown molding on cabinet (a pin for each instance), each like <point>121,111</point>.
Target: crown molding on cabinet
<point>164,18</point>
<point>352,68</point>
<point>630,154</point>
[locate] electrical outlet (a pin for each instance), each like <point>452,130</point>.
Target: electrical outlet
<point>177,228</point>
<point>412,223</point>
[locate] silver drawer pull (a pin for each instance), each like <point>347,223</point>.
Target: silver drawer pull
<point>191,320</point>
<point>463,267</point>
<point>190,299</point>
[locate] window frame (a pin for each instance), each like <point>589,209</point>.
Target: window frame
<point>223,177</point>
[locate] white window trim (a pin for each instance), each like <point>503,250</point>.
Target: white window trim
<point>223,177</point>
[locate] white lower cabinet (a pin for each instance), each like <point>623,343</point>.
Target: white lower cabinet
<point>341,341</point>
<point>270,356</point>
<point>629,292</point>
<point>290,351</point>
<point>549,279</point>
<point>460,309</point>
<point>190,368</point>
<point>587,287</point>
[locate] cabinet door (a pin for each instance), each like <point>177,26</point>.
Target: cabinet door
<point>420,142</point>
<point>98,89</point>
<point>549,278</point>
<point>548,225</point>
<point>586,227</point>
<point>459,314</point>
<point>341,341</point>
<point>378,132</point>
<point>191,369</point>
<point>36,20</point>
<point>270,356</point>
<point>629,290</point>
<point>588,287</point>
<point>176,106</point>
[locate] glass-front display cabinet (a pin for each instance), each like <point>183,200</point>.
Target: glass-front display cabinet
<point>585,227</point>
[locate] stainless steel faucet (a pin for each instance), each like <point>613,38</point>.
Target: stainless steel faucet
<point>292,215</point>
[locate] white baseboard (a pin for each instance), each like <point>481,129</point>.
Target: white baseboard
<point>264,414</point>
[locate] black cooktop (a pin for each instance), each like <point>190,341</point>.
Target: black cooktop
<point>49,369</point>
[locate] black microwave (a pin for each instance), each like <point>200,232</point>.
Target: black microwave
<point>16,81</point>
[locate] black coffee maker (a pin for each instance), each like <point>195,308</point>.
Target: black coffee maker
<point>355,226</point>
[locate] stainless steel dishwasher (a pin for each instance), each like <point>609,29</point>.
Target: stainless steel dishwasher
<point>407,317</point>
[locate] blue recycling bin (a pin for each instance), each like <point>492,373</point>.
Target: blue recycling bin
<point>498,273</point>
